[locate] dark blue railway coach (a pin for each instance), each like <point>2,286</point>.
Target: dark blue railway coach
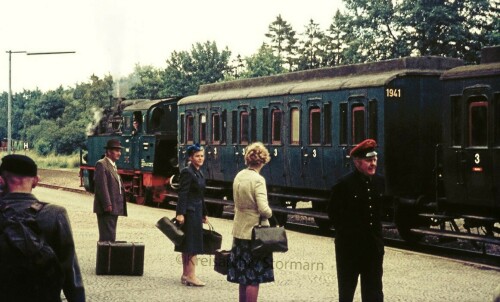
<point>310,120</point>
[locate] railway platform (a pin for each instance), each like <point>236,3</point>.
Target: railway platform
<point>307,272</point>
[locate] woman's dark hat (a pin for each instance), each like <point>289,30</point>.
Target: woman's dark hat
<point>20,165</point>
<point>193,148</point>
<point>113,144</point>
<point>364,149</point>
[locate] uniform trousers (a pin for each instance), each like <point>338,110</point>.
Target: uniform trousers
<point>107,226</point>
<point>362,263</point>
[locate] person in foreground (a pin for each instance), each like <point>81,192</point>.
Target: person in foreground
<point>355,210</point>
<point>191,214</point>
<point>19,173</point>
<point>250,205</point>
<point>109,198</point>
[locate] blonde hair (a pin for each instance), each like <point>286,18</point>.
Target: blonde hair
<point>256,154</point>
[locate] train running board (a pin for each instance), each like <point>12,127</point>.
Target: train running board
<point>450,234</point>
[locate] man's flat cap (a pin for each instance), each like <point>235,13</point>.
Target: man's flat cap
<point>364,149</point>
<point>20,165</point>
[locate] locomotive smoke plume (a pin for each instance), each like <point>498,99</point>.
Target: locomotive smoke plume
<point>91,127</point>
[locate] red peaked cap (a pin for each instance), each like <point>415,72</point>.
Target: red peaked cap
<point>364,149</point>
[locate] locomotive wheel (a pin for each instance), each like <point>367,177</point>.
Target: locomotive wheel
<point>323,224</point>
<point>281,217</point>
<point>406,218</point>
<point>215,210</point>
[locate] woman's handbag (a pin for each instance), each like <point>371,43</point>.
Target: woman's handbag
<point>267,239</point>
<point>171,229</point>
<point>221,261</point>
<point>212,240</point>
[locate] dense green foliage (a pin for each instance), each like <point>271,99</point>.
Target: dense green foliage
<point>58,121</point>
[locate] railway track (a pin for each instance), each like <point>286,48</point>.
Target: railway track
<point>468,255</point>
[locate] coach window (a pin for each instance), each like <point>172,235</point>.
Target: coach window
<point>315,126</point>
<point>234,127</point>
<point>294,126</point>
<point>327,129</point>
<point>276,127</point>
<point>203,129</point>
<point>456,121</point>
<point>343,124</point>
<point>372,112</point>
<point>189,129</point>
<point>478,122</point>
<point>496,118</point>
<point>358,124</point>
<point>216,128</point>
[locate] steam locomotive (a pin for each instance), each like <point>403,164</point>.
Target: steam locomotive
<point>437,124</point>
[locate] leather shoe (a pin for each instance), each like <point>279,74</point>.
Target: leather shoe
<point>194,282</point>
<point>183,279</point>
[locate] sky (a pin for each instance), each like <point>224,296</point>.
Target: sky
<point>112,36</point>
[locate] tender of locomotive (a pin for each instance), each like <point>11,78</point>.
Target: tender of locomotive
<point>310,120</point>
<point>149,156</point>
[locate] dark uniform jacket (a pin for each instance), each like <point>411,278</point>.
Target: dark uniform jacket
<point>191,189</point>
<point>355,209</point>
<point>56,230</point>
<point>108,190</point>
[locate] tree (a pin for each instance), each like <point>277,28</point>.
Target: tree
<point>384,29</point>
<point>335,41</point>
<point>263,63</point>
<point>186,71</point>
<point>96,94</point>
<point>373,33</point>
<point>148,83</point>
<point>312,49</point>
<point>283,42</point>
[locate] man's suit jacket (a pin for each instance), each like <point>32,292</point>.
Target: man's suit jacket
<point>107,189</point>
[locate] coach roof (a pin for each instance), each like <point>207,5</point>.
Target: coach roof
<point>323,79</point>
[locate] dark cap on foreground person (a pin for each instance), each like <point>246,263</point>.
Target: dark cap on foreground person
<point>193,148</point>
<point>20,165</point>
<point>364,149</point>
<point>113,144</point>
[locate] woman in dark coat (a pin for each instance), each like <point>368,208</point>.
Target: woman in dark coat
<point>191,214</point>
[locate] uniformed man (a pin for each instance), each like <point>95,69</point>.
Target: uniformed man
<point>355,211</point>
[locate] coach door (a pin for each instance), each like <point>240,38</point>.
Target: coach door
<point>478,174</point>
<point>273,136</point>
<point>318,137</point>
<point>215,145</point>
<point>296,175</point>
<point>470,176</point>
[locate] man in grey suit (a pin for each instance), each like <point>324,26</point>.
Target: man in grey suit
<point>109,199</point>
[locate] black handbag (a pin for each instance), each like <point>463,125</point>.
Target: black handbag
<point>221,261</point>
<point>171,229</point>
<point>212,240</point>
<point>266,239</point>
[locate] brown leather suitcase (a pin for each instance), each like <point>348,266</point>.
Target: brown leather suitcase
<point>120,258</point>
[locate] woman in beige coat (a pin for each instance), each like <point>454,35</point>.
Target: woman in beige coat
<point>250,204</point>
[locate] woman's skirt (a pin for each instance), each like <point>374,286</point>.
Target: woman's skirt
<point>193,233</point>
<point>245,268</point>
